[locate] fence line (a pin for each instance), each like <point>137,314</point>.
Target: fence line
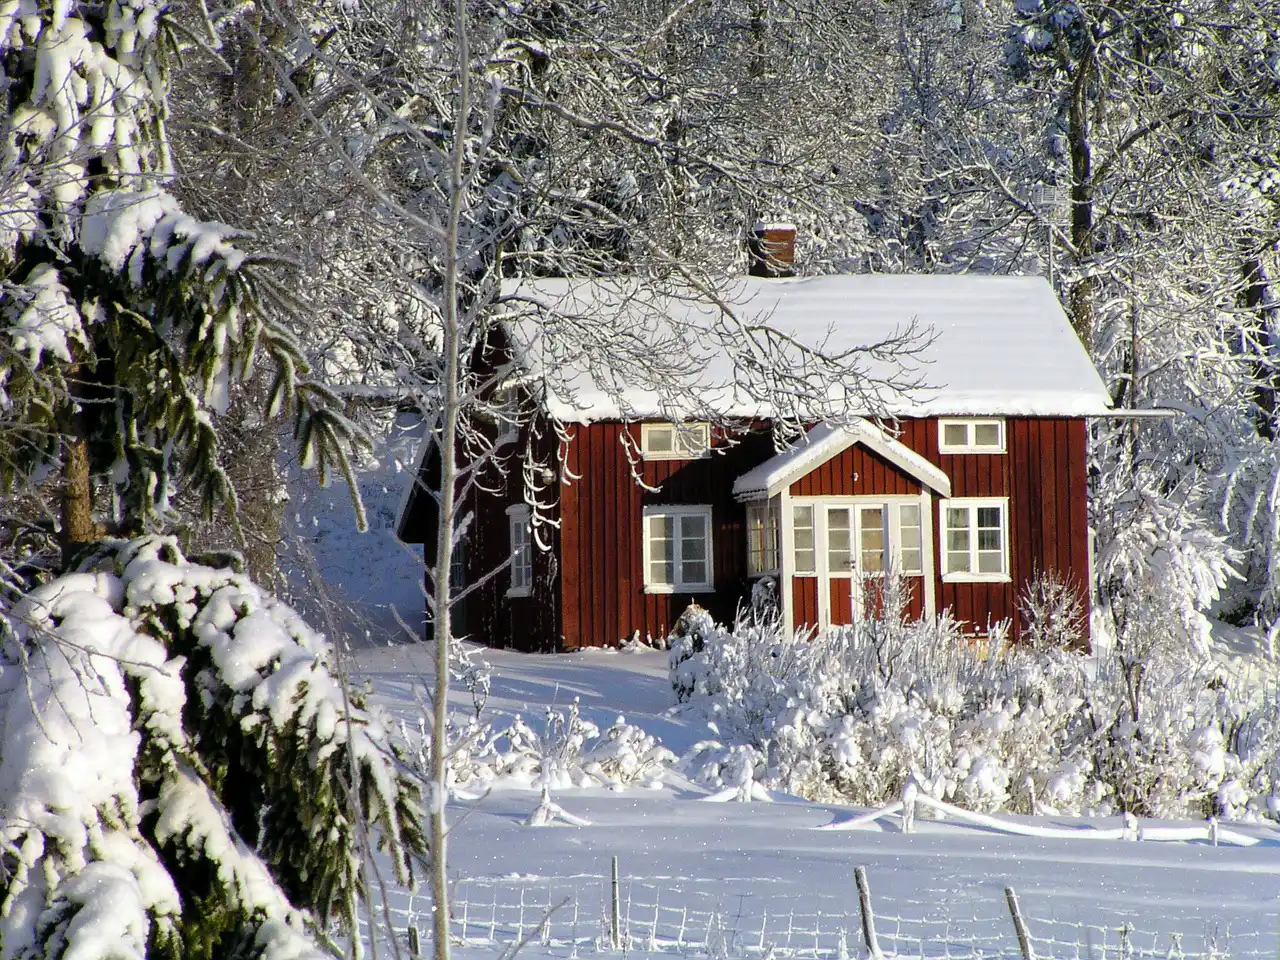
<point>572,916</point>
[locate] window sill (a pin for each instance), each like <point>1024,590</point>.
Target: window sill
<point>517,592</point>
<point>976,578</point>
<point>953,451</point>
<point>679,588</point>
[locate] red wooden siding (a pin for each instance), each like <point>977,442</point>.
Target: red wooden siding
<point>856,472</point>
<point>589,590</point>
<point>804,599</point>
<point>841,601</point>
<point>601,562</point>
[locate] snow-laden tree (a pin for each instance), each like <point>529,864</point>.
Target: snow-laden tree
<point>182,771</point>
<point>126,320</point>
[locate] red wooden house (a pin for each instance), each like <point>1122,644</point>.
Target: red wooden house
<point>968,489</point>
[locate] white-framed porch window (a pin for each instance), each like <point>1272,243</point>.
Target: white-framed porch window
<point>675,441</point>
<point>975,539</point>
<point>909,538</point>
<point>677,549</point>
<point>521,551</point>
<point>804,539</point>
<point>861,537</point>
<point>762,538</point>
<point>973,435</point>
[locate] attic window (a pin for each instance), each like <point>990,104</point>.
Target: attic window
<point>675,441</point>
<point>971,436</point>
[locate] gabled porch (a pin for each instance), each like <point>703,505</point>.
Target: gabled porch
<point>840,510</point>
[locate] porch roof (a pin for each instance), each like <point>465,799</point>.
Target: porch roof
<point>822,443</point>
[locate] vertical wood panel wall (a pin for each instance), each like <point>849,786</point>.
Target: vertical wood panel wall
<point>592,592</point>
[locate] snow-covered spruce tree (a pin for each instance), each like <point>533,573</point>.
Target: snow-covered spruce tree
<point>126,320</point>
<point>181,773</point>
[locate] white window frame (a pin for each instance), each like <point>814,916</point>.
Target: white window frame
<point>678,511</point>
<point>689,441</point>
<point>519,520</point>
<point>972,504</point>
<point>772,539</point>
<point>895,534</point>
<point>970,445</point>
<point>506,413</point>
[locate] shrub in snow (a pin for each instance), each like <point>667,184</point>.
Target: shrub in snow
<point>856,713</point>
<point>1052,609</point>
<point>181,773</point>
<point>568,751</point>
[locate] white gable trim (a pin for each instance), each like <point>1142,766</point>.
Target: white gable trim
<point>824,442</point>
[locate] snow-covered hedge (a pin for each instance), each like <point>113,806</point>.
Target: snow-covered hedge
<point>181,772</point>
<point>569,751</point>
<point>853,714</point>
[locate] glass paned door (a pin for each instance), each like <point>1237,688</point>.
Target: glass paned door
<point>857,546</point>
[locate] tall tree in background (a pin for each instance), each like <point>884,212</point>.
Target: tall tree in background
<point>127,321</point>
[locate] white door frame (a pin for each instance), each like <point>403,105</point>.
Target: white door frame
<point>824,576</point>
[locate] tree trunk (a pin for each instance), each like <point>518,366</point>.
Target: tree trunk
<point>1263,374</point>
<point>76,496</point>
<point>451,403</point>
<point>1083,292</point>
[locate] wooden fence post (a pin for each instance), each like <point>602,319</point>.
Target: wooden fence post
<point>1019,925</point>
<point>868,917</point>
<point>615,919</point>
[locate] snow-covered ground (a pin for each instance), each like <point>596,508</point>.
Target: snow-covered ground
<point>738,879</point>
<point>730,879</point>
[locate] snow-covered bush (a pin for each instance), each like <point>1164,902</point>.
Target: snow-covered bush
<point>181,772</point>
<point>568,751</point>
<point>1052,609</point>
<point>856,713</point>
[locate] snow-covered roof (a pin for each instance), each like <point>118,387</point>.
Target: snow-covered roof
<point>822,443</point>
<point>1001,345</point>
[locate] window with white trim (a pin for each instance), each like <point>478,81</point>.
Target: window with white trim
<point>975,539</point>
<point>971,436</point>
<point>762,538</point>
<point>674,441</point>
<point>910,539</point>
<point>802,537</point>
<point>677,549</point>
<point>521,552</point>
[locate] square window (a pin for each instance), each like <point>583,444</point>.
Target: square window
<point>986,435</point>
<point>677,548</point>
<point>674,441</point>
<point>976,538</point>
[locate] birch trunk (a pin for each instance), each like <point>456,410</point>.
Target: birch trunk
<point>448,443</point>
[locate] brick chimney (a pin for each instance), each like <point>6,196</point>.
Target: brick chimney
<point>771,250</point>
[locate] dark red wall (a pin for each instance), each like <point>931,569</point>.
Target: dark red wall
<point>589,590</point>
<point>602,576</point>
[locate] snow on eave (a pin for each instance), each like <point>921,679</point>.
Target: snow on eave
<point>822,443</point>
